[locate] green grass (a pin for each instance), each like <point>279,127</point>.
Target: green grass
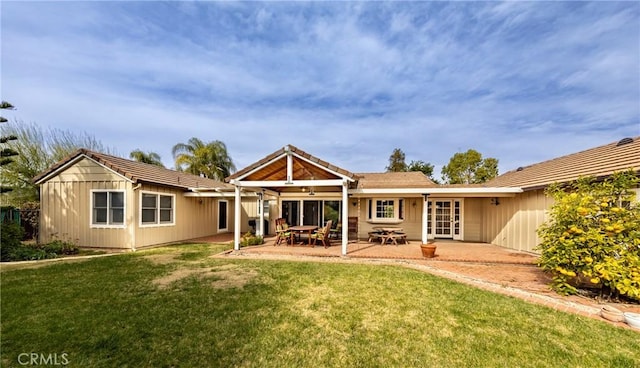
<point>134,310</point>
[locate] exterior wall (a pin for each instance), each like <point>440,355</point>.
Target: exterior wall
<point>65,212</point>
<point>472,217</point>
<point>195,217</point>
<point>249,208</point>
<point>514,222</point>
<point>411,224</point>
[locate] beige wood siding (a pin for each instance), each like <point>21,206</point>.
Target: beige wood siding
<point>514,222</point>
<point>194,217</point>
<point>411,224</point>
<point>472,215</point>
<point>66,207</point>
<point>249,208</point>
<point>66,211</point>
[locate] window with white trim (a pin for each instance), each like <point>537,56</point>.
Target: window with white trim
<point>386,209</point>
<point>107,208</point>
<point>157,209</point>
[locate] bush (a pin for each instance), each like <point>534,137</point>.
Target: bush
<point>10,239</point>
<point>250,239</point>
<point>59,247</point>
<point>594,233</point>
<point>32,252</point>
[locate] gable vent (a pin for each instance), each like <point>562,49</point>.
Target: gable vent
<point>624,141</point>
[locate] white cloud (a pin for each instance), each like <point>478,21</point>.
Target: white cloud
<point>349,82</point>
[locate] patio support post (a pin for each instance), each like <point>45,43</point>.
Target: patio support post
<point>236,220</point>
<point>345,217</point>
<point>260,226</point>
<point>425,218</point>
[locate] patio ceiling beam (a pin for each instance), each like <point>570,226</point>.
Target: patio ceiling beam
<point>284,183</point>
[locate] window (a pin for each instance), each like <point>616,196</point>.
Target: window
<point>157,209</point>
<point>107,208</point>
<point>386,209</point>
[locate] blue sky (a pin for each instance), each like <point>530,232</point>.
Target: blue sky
<point>346,81</point>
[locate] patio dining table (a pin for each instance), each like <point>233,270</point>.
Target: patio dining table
<point>309,229</point>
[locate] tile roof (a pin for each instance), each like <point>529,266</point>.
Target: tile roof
<point>138,172</point>
<point>411,179</point>
<point>599,162</point>
<point>297,151</point>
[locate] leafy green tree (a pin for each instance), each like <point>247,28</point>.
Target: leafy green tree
<point>424,167</point>
<point>210,160</point>
<point>6,153</point>
<point>594,233</point>
<point>151,158</point>
<point>469,168</point>
<point>397,161</point>
<point>38,149</point>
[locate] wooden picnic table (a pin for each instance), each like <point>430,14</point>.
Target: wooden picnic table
<point>386,233</point>
<point>309,229</point>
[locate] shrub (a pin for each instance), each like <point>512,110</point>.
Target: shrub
<point>594,233</point>
<point>59,247</point>
<point>10,239</point>
<point>32,252</point>
<point>250,239</point>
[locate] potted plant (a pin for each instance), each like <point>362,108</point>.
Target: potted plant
<point>428,250</point>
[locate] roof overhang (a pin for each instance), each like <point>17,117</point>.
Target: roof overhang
<point>459,192</point>
<point>285,183</point>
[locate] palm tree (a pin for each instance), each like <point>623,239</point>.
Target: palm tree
<point>210,160</point>
<point>147,158</point>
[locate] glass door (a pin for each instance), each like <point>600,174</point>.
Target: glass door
<point>290,212</point>
<point>443,219</point>
<point>311,213</point>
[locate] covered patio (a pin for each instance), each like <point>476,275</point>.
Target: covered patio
<point>304,191</point>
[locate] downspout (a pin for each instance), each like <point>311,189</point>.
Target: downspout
<point>134,223</point>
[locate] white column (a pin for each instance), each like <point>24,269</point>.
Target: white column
<point>345,217</point>
<point>236,220</point>
<point>425,217</point>
<point>260,226</point>
<point>289,166</point>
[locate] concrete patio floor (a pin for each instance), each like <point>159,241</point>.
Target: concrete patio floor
<point>447,250</point>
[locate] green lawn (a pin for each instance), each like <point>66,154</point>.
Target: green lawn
<point>177,306</point>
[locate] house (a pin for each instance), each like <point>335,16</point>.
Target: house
<point>505,211</point>
<point>309,191</point>
<point>97,200</point>
<point>514,222</point>
<point>101,201</point>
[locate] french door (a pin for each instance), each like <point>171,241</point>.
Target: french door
<point>444,218</point>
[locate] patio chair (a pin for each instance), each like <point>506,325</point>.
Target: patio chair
<point>323,235</point>
<point>337,232</point>
<point>283,232</point>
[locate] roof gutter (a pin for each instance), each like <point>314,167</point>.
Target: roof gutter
<point>508,191</point>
